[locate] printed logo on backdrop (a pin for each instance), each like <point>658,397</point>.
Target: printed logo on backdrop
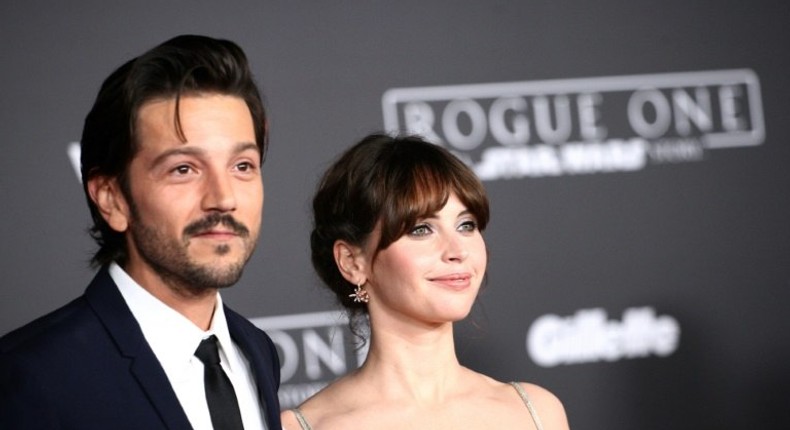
<point>589,336</point>
<point>583,126</point>
<point>73,151</point>
<point>314,349</point>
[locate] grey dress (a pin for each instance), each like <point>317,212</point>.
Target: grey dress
<point>523,394</point>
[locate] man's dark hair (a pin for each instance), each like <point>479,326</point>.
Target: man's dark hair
<point>182,66</point>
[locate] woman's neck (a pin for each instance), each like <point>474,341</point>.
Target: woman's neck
<point>412,362</point>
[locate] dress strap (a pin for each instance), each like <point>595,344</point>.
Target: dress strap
<point>531,408</point>
<point>302,420</point>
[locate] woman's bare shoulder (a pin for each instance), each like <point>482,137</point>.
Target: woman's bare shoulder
<point>548,406</point>
<point>289,421</point>
<point>334,399</point>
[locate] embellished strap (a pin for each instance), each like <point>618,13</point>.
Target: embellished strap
<point>531,408</point>
<point>302,420</point>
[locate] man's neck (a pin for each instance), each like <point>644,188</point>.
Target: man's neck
<point>196,305</point>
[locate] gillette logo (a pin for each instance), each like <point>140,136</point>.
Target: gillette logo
<point>588,337</point>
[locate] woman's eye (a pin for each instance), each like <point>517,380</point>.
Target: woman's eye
<point>468,226</point>
<point>420,230</point>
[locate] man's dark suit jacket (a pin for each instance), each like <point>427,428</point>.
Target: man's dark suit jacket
<point>88,366</point>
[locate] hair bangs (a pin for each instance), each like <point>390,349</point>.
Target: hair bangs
<point>421,189</point>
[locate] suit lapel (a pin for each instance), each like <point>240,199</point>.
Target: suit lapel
<point>265,366</point>
<point>108,304</point>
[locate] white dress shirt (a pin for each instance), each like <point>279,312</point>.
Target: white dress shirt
<point>174,339</point>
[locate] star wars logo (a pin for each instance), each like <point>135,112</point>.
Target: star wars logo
<point>314,349</point>
<point>583,126</point>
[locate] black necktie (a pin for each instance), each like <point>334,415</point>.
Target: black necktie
<point>222,403</point>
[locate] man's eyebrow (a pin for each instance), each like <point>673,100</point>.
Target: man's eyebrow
<point>181,150</point>
<point>246,146</point>
<point>195,151</point>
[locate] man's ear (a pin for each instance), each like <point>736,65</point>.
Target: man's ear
<point>106,194</point>
<point>350,261</point>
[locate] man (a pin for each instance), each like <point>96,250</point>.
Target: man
<point>171,166</point>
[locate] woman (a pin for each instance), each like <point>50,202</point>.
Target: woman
<point>397,237</point>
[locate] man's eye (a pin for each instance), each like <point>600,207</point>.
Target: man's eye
<point>245,166</point>
<point>182,170</point>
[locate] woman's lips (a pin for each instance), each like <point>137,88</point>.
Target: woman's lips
<point>454,280</point>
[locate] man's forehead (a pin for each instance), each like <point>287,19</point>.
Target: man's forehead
<point>164,116</point>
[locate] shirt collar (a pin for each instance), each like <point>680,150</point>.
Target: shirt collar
<point>171,335</point>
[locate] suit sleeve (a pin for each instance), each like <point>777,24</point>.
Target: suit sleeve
<point>24,402</point>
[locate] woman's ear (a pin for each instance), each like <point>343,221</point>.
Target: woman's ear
<point>106,194</point>
<point>350,261</point>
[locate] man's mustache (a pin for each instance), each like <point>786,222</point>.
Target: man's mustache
<point>213,220</point>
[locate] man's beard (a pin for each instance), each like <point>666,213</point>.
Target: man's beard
<point>169,258</point>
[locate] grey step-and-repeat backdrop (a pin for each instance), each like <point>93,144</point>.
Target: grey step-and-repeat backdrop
<point>636,155</point>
